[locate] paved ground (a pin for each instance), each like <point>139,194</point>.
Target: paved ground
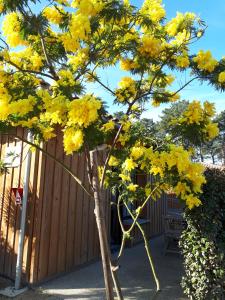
<point>135,277</point>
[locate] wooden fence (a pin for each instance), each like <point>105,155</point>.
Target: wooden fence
<point>60,232</point>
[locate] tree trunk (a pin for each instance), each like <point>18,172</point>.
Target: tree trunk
<point>100,220</point>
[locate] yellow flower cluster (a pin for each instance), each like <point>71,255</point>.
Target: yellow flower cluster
<point>88,7</point>
<point>66,78</point>
<point>53,14</point>
<point>23,106</point>
<point>128,64</point>
<point>175,160</point>
<point>27,59</point>
<point>55,108</point>
<point>129,164</point>
<point>83,111</point>
<point>73,140</point>
<point>80,26</point>
<point>109,126</point>
<point>151,47</point>
<point>79,59</point>
<point>196,114</point>
<point>113,161</point>
<point>1,5</point>
<point>127,89</point>
<point>11,27</point>
<point>136,152</point>
<point>154,9</point>
<point>79,29</point>
<point>132,187</point>
<point>205,61</point>
<point>221,77</point>
<point>4,109</point>
<point>174,25</point>
<point>46,131</point>
<point>182,61</point>
<point>20,107</point>
<point>181,38</point>
<point>212,130</point>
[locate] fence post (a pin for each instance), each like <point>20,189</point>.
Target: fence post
<point>19,261</point>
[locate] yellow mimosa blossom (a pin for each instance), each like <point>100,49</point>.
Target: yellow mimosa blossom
<point>125,177</point>
<point>181,38</point>
<point>88,7</point>
<point>193,113</point>
<point>205,61</point>
<point>11,27</point>
<point>173,26</point>
<point>127,89</point>
<point>79,26</point>
<point>126,82</point>
<point>79,59</point>
<point>55,109</point>
<point>154,9</point>
<point>23,106</point>
<point>123,138</point>
<point>156,171</point>
<point>28,123</point>
<point>128,64</point>
<point>182,61</point>
<point>221,77</point>
<point>150,47</point>
<point>209,108</point>
<point>53,14</point>
<point>192,201</point>
<point>4,109</point>
<point>1,5</point>
<point>84,111</point>
<point>73,140</point>
<point>136,152</point>
<point>181,189</point>
<point>113,161</point>
<point>47,132</point>
<point>132,187</point>
<point>70,44</point>
<point>212,130</point>
<point>129,164</point>
<point>66,78</point>
<point>109,126</point>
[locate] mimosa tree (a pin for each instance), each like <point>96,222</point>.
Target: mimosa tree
<point>50,54</point>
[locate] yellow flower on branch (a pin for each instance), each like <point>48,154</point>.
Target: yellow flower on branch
<point>83,111</point>
<point>132,187</point>
<point>73,140</point>
<point>129,164</point>
<point>205,61</point>
<point>221,77</point>
<point>11,28</point>
<point>113,161</point>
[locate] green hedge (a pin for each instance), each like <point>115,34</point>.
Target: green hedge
<point>203,242</point>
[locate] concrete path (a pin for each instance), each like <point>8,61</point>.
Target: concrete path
<point>135,277</point>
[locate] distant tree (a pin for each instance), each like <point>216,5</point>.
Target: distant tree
<point>221,138</point>
<point>169,125</point>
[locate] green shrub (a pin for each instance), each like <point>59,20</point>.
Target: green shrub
<point>203,242</point>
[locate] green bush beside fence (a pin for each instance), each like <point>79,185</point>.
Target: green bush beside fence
<point>203,242</point>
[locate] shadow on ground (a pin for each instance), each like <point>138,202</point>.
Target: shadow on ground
<point>135,277</point>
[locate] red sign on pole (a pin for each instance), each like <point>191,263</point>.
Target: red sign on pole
<point>18,193</point>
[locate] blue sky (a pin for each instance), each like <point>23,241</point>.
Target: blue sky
<point>213,13</point>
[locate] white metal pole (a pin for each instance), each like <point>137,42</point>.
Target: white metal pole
<point>19,262</point>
